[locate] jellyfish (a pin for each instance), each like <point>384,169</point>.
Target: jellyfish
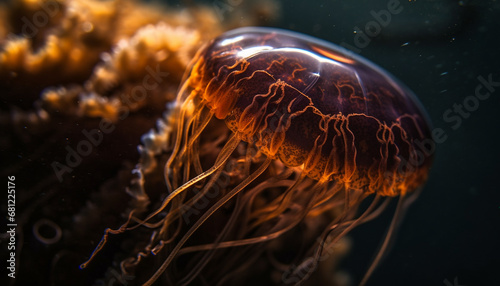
<point>272,145</point>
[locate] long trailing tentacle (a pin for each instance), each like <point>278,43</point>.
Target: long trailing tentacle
<point>220,161</point>
<point>211,252</point>
<point>341,226</point>
<point>177,144</point>
<point>195,126</point>
<point>104,239</point>
<point>403,203</point>
<point>183,101</point>
<point>206,188</point>
<point>206,215</point>
<point>280,204</point>
<point>276,231</point>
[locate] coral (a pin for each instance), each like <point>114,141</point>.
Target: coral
<point>109,43</point>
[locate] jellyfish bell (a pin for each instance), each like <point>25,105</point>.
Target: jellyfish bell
<point>285,128</point>
<point>315,105</point>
